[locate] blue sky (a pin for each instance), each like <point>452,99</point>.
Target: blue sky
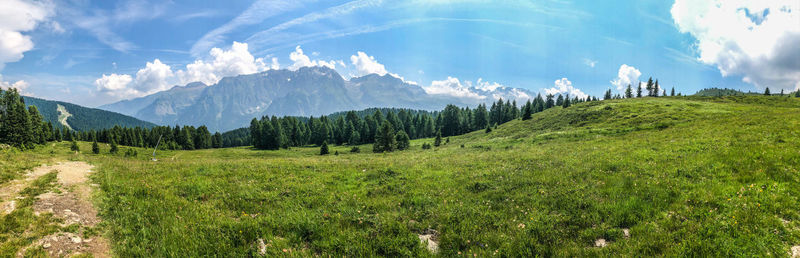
<point>89,52</point>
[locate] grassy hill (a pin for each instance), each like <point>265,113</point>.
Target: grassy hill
<point>689,176</point>
<point>82,118</point>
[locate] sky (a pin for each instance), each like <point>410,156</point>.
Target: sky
<point>97,52</point>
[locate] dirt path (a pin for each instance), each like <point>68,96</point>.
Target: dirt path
<point>70,203</point>
<point>63,115</point>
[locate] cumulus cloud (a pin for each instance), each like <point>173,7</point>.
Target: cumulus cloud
<point>301,60</point>
<point>365,64</point>
<point>18,17</point>
<point>237,60</point>
<point>114,85</point>
<point>153,77</point>
<point>157,76</point>
<point>564,86</point>
<point>627,75</point>
<point>486,86</point>
<point>20,85</point>
<point>451,87</point>
<point>754,39</point>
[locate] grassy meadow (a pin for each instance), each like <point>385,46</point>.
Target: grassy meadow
<point>684,176</point>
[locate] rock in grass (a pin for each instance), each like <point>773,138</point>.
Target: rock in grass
<point>428,238</point>
<point>796,251</point>
<point>600,243</point>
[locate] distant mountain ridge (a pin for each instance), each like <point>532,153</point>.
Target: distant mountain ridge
<point>309,91</point>
<point>81,118</point>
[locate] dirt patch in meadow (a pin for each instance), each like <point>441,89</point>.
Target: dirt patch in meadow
<point>70,203</point>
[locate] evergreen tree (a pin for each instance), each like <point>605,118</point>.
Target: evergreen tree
<point>797,94</point>
<point>355,138</point>
<point>488,129</point>
<point>781,92</point>
<point>559,100</point>
<point>527,110</point>
<point>216,141</point>
<point>567,101</point>
<point>607,96</point>
<point>672,93</point>
<point>650,90</point>
<point>629,92</point>
<point>766,92</point>
<point>15,124</point>
<point>74,146</point>
<point>114,148</point>
<point>639,91</point>
<point>384,139</point>
<point>402,140</point>
<point>323,150</point>
<point>549,103</point>
<point>95,148</point>
<point>438,141</point>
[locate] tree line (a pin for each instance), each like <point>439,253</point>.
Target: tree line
<point>20,126</point>
<point>389,129</point>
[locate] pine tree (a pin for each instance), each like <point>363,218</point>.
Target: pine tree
<point>323,150</point>
<point>95,148</point>
<point>15,124</point>
<point>567,101</point>
<point>527,110</point>
<point>607,96</point>
<point>781,92</point>
<point>355,138</point>
<point>766,92</point>
<point>649,87</point>
<point>74,146</point>
<point>384,138</point>
<point>639,91</point>
<point>629,92</point>
<point>114,148</point>
<point>797,94</point>
<point>438,141</point>
<point>549,103</point>
<point>402,140</point>
<point>672,93</point>
<point>488,129</point>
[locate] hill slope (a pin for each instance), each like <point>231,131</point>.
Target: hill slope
<point>689,176</point>
<point>82,118</point>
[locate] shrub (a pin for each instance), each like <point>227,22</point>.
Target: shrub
<point>74,146</point>
<point>355,149</point>
<point>426,146</point>
<point>95,148</point>
<point>131,153</point>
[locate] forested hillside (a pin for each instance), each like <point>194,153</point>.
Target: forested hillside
<point>82,118</point>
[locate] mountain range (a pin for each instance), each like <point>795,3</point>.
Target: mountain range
<point>309,91</point>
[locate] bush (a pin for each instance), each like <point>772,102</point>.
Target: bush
<point>114,147</point>
<point>336,153</point>
<point>95,148</point>
<point>74,146</point>
<point>131,153</point>
<point>426,146</point>
<point>355,149</point>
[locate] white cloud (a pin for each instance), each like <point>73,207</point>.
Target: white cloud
<point>302,60</point>
<point>451,87</point>
<point>589,62</point>
<point>20,85</point>
<point>486,86</point>
<point>255,14</point>
<point>627,75</point>
<point>115,85</point>
<point>18,17</point>
<point>155,77</point>
<point>366,64</point>
<point>564,86</point>
<point>237,60</point>
<point>754,39</point>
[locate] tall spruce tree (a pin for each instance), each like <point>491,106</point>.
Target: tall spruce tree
<point>628,92</point>
<point>402,140</point>
<point>766,92</point>
<point>438,140</point>
<point>384,138</point>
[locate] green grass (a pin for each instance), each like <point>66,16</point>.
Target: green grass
<point>688,176</point>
